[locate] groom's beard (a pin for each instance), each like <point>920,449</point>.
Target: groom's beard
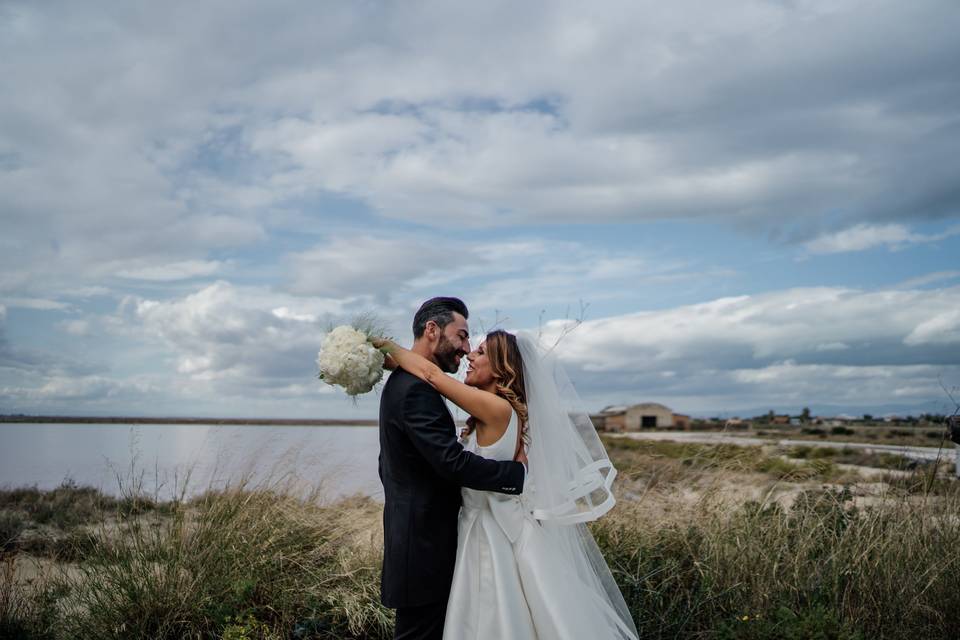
<point>446,355</point>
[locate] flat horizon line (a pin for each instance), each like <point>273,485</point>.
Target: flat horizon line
<point>42,419</point>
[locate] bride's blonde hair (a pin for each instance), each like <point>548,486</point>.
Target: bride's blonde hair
<point>506,365</point>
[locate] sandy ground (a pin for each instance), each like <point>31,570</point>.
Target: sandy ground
<point>669,491</point>
<point>701,437</point>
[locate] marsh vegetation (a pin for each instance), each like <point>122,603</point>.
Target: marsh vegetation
<point>706,542</point>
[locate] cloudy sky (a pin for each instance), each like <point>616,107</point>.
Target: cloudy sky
<point>752,204</point>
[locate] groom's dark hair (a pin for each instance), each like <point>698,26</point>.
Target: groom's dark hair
<point>440,310</point>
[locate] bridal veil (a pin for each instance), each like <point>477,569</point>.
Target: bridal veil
<point>569,484</point>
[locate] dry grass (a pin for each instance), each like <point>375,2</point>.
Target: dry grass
<point>705,542</point>
<point>887,571</point>
<point>739,542</point>
<point>226,564</point>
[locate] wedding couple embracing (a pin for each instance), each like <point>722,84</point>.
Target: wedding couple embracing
<point>484,533</point>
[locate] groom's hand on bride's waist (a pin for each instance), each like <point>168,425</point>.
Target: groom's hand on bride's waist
<point>522,459</point>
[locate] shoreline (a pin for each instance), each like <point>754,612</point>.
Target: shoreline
<point>289,422</point>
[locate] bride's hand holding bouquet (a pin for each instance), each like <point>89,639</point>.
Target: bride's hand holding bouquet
<point>386,345</point>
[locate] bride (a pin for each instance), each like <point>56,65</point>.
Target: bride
<point>527,566</point>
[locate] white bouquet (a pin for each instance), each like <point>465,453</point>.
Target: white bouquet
<point>349,360</point>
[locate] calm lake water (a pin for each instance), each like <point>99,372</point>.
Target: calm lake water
<point>343,460</point>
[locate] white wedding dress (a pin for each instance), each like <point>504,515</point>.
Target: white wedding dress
<point>517,578</point>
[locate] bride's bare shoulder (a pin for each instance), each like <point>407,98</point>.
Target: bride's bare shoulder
<point>497,422</point>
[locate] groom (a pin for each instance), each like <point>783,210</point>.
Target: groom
<point>422,467</point>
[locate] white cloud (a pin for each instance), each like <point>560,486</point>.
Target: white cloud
<point>226,347</point>
<point>942,328</point>
<point>832,346</point>
<point>172,271</point>
<point>792,384</point>
<point>520,273</point>
<point>91,387</point>
<point>861,237</point>
<point>142,150</point>
<point>85,292</point>
<point>629,113</point>
<point>778,325</point>
<point>365,265</point>
<point>929,278</point>
<point>286,314</point>
<point>76,327</point>
<point>520,165</point>
<point>769,348</point>
<point>642,116</point>
<point>866,236</point>
<point>236,334</point>
<point>526,276</point>
<point>37,303</point>
<point>343,153</point>
<point>87,394</point>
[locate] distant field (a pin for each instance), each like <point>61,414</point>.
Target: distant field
<point>919,434</point>
<point>313,422</point>
<point>925,435</point>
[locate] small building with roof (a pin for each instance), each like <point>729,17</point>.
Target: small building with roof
<point>647,415</point>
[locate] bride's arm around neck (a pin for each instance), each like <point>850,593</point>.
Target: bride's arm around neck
<point>490,409</point>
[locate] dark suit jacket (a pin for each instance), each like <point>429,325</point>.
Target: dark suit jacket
<point>422,467</point>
